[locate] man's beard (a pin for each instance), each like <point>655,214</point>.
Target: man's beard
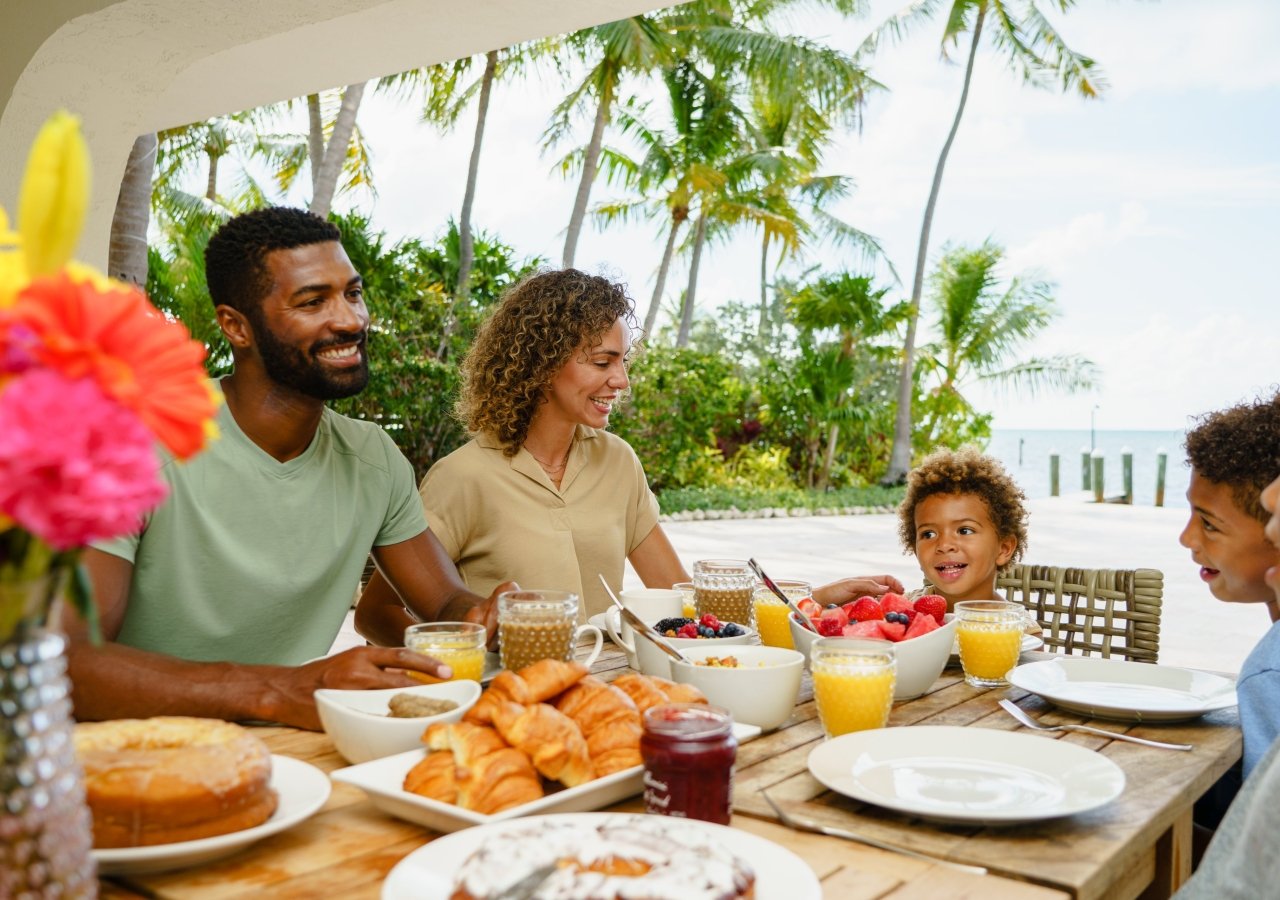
<point>304,373</point>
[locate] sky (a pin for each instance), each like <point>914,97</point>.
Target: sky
<point>1154,210</point>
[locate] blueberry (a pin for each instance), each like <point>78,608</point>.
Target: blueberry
<point>732,630</point>
<point>833,606</point>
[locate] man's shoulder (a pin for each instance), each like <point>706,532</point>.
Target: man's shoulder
<point>364,440</point>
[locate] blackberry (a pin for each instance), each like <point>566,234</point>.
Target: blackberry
<point>672,624</point>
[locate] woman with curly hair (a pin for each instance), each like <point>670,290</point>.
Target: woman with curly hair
<point>543,494</point>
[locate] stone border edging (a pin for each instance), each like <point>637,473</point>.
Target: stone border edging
<point>780,512</point>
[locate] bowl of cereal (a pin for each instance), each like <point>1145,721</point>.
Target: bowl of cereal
<point>652,661</point>
<point>367,725</point>
<point>757,684</point>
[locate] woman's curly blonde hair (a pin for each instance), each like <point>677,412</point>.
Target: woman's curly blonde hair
<point>966,471</point>
<point>536,328</point>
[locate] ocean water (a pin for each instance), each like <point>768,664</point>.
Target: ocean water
<point>1025,453</point>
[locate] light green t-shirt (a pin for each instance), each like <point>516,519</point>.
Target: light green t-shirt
<point>252,560</point>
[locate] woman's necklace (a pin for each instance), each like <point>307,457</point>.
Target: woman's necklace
<point>551,468</point>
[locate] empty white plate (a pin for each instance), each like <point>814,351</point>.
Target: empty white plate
<point>966,775</point>
<point>1123,690</point>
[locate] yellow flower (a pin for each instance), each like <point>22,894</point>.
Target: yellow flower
<point>13,268</point>
<point>54,196</point>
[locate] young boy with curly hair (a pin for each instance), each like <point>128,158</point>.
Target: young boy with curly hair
<point>1234,454</point>
<point>964,518</point>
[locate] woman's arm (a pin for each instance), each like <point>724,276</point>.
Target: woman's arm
<point>656,562</point>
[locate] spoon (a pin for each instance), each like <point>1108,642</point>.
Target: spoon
<point>638,626</point>
<point>768,582</point>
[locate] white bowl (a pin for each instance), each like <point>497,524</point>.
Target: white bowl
<point>762,689</point>
<point>361,730</point>
<point>920,660</point>
<point>652,661</point>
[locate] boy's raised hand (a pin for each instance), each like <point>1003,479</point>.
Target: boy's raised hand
<point>848,589</point>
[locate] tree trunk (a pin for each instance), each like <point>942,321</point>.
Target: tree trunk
<point>829,459</point>
<point>651,317</point>
<point>211,185</point>
<point>764,285</point>
<point>900,457</point>
<point>335,152</point>
<point>466,250</point>
<point>315,138</point>
<point>691,295</point>
<point>589,164</point>
<point>127,252</point>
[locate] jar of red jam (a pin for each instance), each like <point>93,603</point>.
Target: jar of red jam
<point>688,751</point>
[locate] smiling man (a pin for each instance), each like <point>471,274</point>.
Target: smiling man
<point>227,600</point>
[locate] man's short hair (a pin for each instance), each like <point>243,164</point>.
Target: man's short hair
<point>1239,447</point>
<point>235,258</point>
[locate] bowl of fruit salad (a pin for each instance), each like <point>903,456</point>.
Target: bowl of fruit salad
<point>757,684</point>
<point>681,632</point>
<point>922,632</point>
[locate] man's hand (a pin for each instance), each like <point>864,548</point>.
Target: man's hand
<point>486,613</point>
<point>846,589</point>
<point>361,668</point>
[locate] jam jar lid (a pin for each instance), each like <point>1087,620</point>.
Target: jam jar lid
<point>688,721</point>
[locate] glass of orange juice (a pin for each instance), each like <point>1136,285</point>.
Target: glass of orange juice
<point>459,645</point>
<point>852,683</point>
<point>771,613</point>
<point>990,636</point>
<point>686,587</point>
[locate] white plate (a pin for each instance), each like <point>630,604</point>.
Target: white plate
<point>1128,691</point>
<point>383,780</point>
<point>967,775</point>
<point>303,789</point>
<point>428,873</point>
<point>1029,642</point>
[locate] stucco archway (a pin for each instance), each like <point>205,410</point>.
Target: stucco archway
<point>127,67</point>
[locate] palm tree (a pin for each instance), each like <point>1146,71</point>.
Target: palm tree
<point>127,252</point>
<point>855,309</point>
<point>330,145</point>
<point>983,324</point>
<point>1033,48</point>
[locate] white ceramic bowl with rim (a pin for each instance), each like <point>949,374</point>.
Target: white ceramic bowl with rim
<point>361,730</point>
<point>761,690</point>
<point>920,660</point>
<point>652,661</point>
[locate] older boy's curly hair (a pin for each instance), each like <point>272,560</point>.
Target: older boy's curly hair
<point>536,328</point>
<point>966,471</point>
<point>1239,447</point>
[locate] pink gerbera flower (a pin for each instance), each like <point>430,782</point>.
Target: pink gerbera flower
<point>75,466</point>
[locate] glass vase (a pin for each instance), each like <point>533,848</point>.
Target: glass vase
<point>45,829</point>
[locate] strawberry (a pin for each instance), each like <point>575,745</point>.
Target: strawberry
<point>922,624</point>
<point>870,629</point>
<point>892,631</point>
<point>866,609</point>
<point>829,626</point>
<point>710,621</point>
<point>894,603</point>
<point>809,607</point>
<point>932,605</point>
<point>687,630</point>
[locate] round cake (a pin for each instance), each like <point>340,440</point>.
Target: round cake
<point>636,857</point>
<point>171,778</point>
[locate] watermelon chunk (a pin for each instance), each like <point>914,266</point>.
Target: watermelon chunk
<point>920,625</point>
<point>869,629</point>
<point>894,603</point>
<point>891,631</point>
<point>838,614</point>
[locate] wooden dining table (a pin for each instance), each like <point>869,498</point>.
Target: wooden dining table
<point>1136,846</point>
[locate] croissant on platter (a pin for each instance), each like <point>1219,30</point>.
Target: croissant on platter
<point>609,719</point>
<point>553,741</point>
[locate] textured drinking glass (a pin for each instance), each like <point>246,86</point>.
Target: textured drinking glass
<point>459,645</point>
<point>725,588</point>
<point>771,613</point>
<point>990,636</point>
<point>534,625</point>
<point>852,683</point>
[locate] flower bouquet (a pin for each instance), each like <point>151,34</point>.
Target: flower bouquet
<point>94,381</point>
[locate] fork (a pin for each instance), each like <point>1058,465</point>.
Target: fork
<point>1017,712</point>
<point>808,825</point>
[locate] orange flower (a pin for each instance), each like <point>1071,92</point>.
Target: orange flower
<point>107,331</point>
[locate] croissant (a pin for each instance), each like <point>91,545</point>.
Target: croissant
<point>548,677</point>
<point>467,742</point>
<point>498,781</point>
<point>678,693</point>
<point>642,691</point>
<point>506,686</point>
<point>552,740</point>
<point>434,777</point>
<point>609,719</point>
